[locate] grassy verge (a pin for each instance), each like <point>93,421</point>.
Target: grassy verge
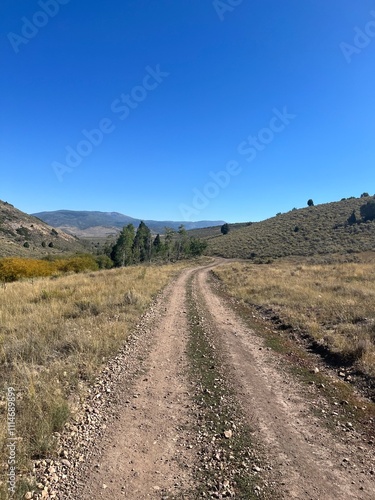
<point>333,304</point>
<point>227,459</point>
<point>55,337</point>
<point>269,288</point>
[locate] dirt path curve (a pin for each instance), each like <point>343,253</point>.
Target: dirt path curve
<point>148,453</point>
<point>307,461</point>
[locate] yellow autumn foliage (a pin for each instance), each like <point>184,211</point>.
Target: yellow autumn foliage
<point>17,268</point>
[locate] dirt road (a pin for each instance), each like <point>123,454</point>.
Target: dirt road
<point>150,451</point>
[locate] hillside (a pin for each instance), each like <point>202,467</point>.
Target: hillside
<point>26,236</point>
<point>313,230</point>
<point>101,224</point>
<point>214,231</point>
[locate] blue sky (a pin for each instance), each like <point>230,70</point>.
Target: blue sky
<point>186,109</point>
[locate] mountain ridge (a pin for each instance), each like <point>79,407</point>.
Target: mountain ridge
<point>85,223</point>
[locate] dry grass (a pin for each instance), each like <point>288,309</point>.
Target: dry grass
<point>55,336</point>
<point>334,303</point>
<point>308,231</point>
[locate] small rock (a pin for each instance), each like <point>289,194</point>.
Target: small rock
<point>28,495</point>
<point>228,434</point>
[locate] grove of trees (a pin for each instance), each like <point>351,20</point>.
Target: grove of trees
<point>136,246</point>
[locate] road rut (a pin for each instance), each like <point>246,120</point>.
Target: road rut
<point>150,451</point>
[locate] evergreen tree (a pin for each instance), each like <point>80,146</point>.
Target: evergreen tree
<point>142,243</point>
<point>224,228</point>
<point>157,244</point>
<point>122,250</point>
<point>310,203</point>
<point>368,211</point>
<point>352,219</point>
<point>197,247</point>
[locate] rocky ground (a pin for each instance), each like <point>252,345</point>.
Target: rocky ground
<point>164,421</point>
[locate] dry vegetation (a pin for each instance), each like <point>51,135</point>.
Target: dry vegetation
<point>27,236</point>
<point>17,268</point>
<point>332,302</point>
<point>55,336</point>
<point>315,230</point>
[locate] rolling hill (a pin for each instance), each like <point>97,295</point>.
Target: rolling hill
<point>321,229</point>
<point>26,236</point>
<point>100,224</point>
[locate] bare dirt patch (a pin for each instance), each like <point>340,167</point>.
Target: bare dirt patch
<point>147,454</point>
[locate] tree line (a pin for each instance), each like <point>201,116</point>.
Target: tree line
<point>136,246</point>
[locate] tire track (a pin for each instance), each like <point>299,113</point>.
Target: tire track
<point>148,452</point>
<point>306,458</point>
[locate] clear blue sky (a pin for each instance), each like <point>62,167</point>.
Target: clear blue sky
<point>181,88</point>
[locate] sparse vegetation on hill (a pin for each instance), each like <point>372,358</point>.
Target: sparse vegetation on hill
<point>340,227</point>
<point>26,236</point>
<point>211,232</point>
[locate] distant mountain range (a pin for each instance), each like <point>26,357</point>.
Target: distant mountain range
<point>101,224</point>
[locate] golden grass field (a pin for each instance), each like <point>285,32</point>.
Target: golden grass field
<point>334,303</point>
<point>55,336</point>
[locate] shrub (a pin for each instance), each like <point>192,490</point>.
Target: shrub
<point>104,262</point>
<point>77,264</point>
<point>352,219</point>
<point>368,211</point>
<point>224,228</point>
<point>15,268</point>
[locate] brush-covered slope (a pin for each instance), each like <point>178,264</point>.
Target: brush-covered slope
<point>26,236</point>
<point>312,230</point>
